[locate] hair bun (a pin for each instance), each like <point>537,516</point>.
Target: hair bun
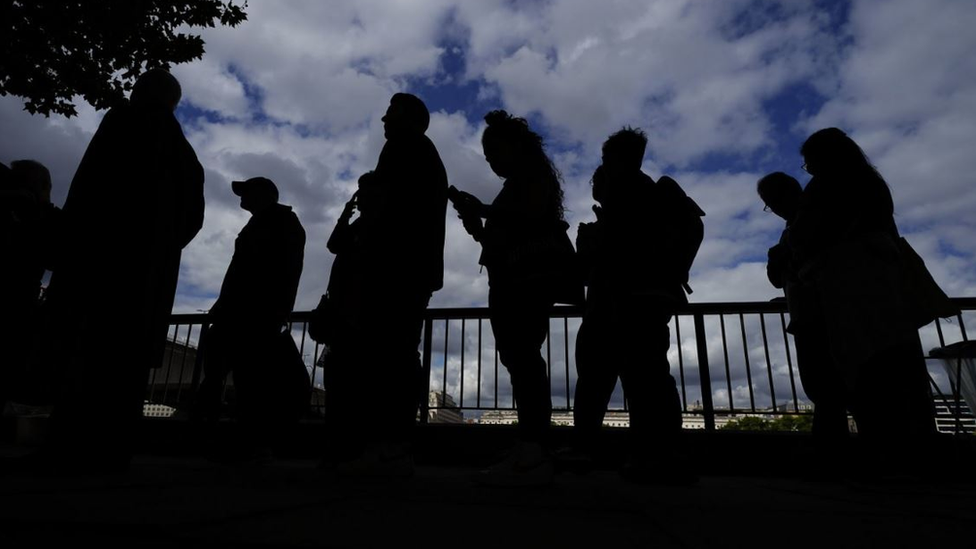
<point>497,117</point>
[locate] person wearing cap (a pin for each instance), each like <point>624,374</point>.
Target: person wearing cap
<point>256,297</point>
<point>400,264</point>
<point>134,203</point>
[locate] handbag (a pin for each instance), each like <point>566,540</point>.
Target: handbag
<point>551,259</point>
<point>925,299</point>
<point>321,324</point>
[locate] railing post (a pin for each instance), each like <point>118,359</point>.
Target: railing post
<point>198,360</point>
<point>705,380</point>
<point>426,352</point>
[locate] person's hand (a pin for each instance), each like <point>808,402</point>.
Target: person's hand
<point>465,203</point>
<point>349,209</point>
<point>472,225</point>
<point>587,236</point>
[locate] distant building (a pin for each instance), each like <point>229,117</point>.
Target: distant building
<point>562,418</point>
<point>170,386</point>
<point>621,419</point>
<point>157,410</point>
<point>442,408</point>
<point>945,415</point>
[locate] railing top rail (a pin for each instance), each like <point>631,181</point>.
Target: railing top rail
<point>560,311</point>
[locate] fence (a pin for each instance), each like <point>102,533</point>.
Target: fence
<point>728,359</point>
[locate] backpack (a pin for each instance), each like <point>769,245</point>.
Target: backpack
<point>683,224</point>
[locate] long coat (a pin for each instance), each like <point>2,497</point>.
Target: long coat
<point>135,202</point>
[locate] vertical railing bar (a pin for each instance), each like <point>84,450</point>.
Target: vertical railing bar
<point>198,361</point>
<point>426,354</point>
<point>728,373</point>
<point>938,329</point>
<point>549,355</point>
<point>549,352</point>
<point>169,363</point>
<point>315,363</point>
<point>789,363</point>
<point>447,333</point>
<point>962,327</point>
<point>566,356</point>
<point>480,322</point>
<point>464,343</point>
<point>745,352</point>
<point>704,375</point>
<point>681,364</point>
<point>769,364</point>
<point>186,349</point>
<point>958,395</point>
<point>495,349</point>
<point>152,383</point>
<point>301,346</point>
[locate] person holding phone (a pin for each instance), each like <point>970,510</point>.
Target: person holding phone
<point>510,230</point>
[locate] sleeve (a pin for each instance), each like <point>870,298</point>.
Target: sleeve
<point>191,188</point>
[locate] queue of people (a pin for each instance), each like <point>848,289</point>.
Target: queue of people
<point>136,201</point>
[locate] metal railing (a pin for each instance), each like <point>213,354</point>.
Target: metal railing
<point>728,359</point>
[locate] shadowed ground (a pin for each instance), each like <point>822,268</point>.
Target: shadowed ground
<point>173,500</point>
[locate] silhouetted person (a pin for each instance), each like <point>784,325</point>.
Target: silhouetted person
<point>341,320</point>
<point>821,380</point>
<point>250,316</point>
<point>528,210</point>
<point>399,264</point>
<point>29,222</point>
<point>135,202</point>
<point>639,252</point>
<point>846,241</point>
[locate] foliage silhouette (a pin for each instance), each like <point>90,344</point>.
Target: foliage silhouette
<point>55,51</point>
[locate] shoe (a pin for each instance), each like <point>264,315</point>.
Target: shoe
<point>526,466</point>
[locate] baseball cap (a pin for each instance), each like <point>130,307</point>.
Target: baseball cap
<point>255,184</point>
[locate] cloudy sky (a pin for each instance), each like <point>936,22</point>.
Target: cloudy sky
<point>726,91</point>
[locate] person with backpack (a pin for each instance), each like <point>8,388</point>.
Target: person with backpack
<point>637,256</point>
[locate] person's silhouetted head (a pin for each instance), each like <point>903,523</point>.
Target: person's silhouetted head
<point>624,150</point>
<point>257,193</point>
<point>6,177</point>
<point>366,195</point>
<point>35,177</point>
<point>157,87</point>
<point>830,152</point>
<point>781,194</point>
<point>513,149</point>
<point>599,183</point>
<point>406,115</point>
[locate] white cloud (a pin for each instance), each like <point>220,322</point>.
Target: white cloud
<point>672,67</point>
<point>300,87</point>
<point>906,92</point>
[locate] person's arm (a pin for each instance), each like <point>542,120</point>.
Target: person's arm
<point>469,209</point>
<point>342,234</point>
<point>292,257</point>
<point>776,265</point>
